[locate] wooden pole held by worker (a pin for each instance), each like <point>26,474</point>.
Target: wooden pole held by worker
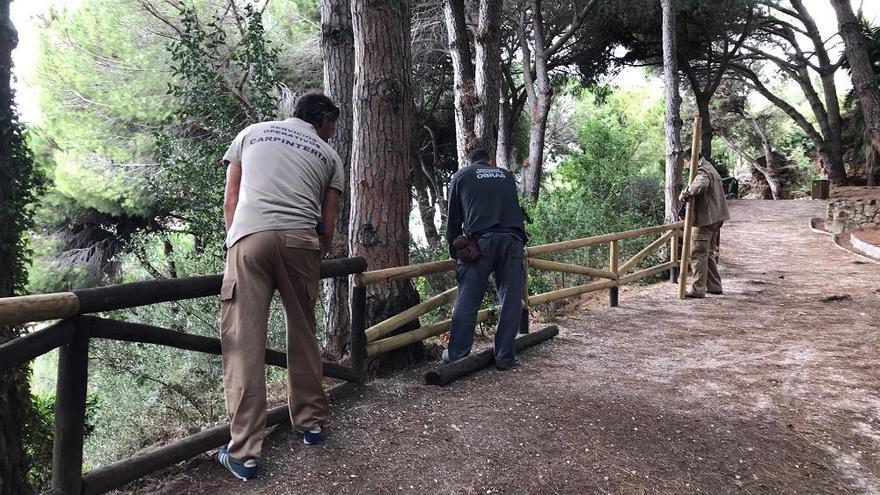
<point>689,212</point>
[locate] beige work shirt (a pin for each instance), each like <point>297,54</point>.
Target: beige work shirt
<point>285,169</point>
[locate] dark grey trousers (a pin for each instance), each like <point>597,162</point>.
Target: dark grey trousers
<point>501,254</point>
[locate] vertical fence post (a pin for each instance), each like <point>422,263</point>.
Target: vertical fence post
<point>673,256</point>
<point>358,326</point>
<point>70,411</point>
<point>613,260</point>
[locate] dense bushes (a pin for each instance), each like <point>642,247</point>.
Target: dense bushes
<point>614,182</point>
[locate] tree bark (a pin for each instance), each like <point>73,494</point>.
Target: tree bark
<point>707,132</point>
<point>863,80</point>
<point>463,76</point>
<point>538,98</point>
<point>487,39</point>
<point>672,123</point>
<point>382,154</point>
<point>337,50</point>
<point>14,387</point>
<point>770,166</point>
<point>502,150</point>
<point>423,200</point>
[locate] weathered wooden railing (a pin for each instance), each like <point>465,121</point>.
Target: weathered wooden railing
<point>377,339</point>
<point>72,335</point>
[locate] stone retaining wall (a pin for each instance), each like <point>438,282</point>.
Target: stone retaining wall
<point>845,215</point>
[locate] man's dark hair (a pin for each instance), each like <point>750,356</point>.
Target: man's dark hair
<point>478,155</point>
<point>312,107</point>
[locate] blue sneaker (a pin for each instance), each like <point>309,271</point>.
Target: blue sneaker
<point>314,436</point>
<point>242,470</point>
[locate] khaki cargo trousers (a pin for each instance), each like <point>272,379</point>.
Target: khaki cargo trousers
<point>704,258</point>
<point>287,260</point>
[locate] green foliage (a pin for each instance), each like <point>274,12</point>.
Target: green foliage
<point>27,183</point>
<point>613,184</point>
<point>40,433</point>
<point>211,113</point>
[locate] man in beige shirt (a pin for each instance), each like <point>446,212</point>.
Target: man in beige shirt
<point>282,181</point>
<point>710,212</point>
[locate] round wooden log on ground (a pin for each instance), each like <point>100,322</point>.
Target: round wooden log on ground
<point>448,373</point>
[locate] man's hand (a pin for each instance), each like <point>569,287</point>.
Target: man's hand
<point>326,241</point>
<point>684,196</point>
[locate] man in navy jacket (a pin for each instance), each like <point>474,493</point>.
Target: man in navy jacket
<point>483,203</point>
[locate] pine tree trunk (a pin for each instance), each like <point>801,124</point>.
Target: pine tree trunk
<point>539,95</point>
<point>488,73</point>
<point>502,150</point>
<point>707,132</point>
<point>337,50</point>
<point>463,77</point>
<point>863,79</point>
<point>426,207</point>
<point>533,171</point>
<point>14,387</point>
<point>672,123</point>
<point>381,154</point>
<point>771,169</point>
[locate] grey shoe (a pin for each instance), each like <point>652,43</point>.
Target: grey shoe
<point>447,360</point>
<point>446,356</point>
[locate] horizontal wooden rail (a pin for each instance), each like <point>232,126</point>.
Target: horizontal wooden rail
<point>117,474</point>
<point>419,334</point>
<point>42,307</point>
<point>19,351</point>
<point>644,253</point>
<point>401,272</point>
<point>647,272</point>
<point>570,291</point>
<point>147,334</point>
<point>567,268</point>
<point>391,324</point>
<point>600,239</point>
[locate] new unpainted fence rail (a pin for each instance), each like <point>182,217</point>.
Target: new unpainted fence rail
<point>381,337</point>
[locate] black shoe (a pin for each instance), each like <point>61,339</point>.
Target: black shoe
<point>694,295</point>
<point>715,292</point>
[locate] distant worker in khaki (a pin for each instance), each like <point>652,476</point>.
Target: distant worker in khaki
<point>710,212</point>
<point>283,183</point>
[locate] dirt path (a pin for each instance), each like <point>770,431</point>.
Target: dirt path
<point>772,388</point>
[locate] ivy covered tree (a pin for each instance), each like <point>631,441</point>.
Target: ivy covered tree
<point>20,182</point>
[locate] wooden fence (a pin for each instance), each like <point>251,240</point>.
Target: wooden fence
<point>614,275</point>
<point>73,333</point>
